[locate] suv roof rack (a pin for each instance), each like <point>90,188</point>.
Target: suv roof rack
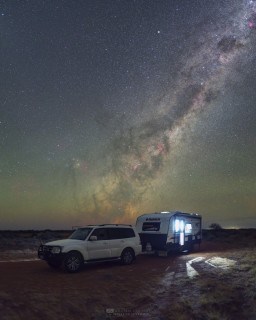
<point>115,224</point>
<point>106,224</point>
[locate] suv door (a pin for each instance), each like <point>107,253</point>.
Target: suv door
<point>119,239</point>
<point>98,249</point>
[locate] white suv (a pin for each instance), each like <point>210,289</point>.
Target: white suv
<point>92,243</point>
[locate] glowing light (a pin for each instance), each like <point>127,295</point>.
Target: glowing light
<point>177,225</point>
<point>182,240</point>
<point>188,228</point>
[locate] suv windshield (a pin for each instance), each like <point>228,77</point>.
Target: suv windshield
<point>80,234</point>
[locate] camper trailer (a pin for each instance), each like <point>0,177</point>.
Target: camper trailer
<point>164,232</point>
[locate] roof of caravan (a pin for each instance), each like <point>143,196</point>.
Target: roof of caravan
<point>168,214</point>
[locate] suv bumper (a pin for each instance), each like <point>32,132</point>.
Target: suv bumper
<point>49,256</point>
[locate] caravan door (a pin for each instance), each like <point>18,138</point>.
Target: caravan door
<point>180,230</point>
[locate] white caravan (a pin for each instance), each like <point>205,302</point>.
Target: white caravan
<point>164,232</point>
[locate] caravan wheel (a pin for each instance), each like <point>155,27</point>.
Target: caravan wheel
<point>187,249</point>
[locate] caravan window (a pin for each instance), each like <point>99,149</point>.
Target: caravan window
<point>151,226</point>
<point>188,228</point>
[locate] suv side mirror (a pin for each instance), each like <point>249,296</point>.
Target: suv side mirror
<point>93,238</point>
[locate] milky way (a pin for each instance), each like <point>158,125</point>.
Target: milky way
<point>112,111</point>
<point>140,153</point>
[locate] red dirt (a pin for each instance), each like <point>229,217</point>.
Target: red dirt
<point>153,288</point>
<point>32,290</point>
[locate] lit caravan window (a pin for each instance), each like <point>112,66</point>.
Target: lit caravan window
<point>151,226</point>
<point>188,228</point>
<point>177,225</point>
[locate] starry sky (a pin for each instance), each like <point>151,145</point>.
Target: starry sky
<point>111,109</point>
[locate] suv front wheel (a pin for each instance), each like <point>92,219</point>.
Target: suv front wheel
<point>127,256</point>
<point>73,262</point>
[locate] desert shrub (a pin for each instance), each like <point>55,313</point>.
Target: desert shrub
<point>215,226</point>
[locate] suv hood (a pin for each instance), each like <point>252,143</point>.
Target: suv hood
<point>63,242</point>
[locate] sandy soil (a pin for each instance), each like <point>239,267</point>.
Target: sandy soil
<point>151,288</point>
<point>31,290</point>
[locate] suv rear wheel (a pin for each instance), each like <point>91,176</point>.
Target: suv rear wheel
<point>127,256</point>
<point>73,262</point>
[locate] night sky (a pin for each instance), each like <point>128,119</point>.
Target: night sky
<point>114,108</point>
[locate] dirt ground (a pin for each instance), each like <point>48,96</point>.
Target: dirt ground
<point>208,284</point>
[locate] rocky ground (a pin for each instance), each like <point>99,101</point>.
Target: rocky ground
<point>217,282</point>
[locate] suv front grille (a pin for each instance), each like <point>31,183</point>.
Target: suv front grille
<point>46,248</point>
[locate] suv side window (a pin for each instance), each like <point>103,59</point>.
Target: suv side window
<point>128,233</point>
<point>120,233</point>
<point>101,234</point>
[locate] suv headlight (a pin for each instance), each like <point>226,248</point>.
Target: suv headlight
<point>56,250</point>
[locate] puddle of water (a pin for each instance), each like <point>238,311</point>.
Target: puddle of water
<point>198,259</point>
<point>218,262</point>
<point>191,272</point>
